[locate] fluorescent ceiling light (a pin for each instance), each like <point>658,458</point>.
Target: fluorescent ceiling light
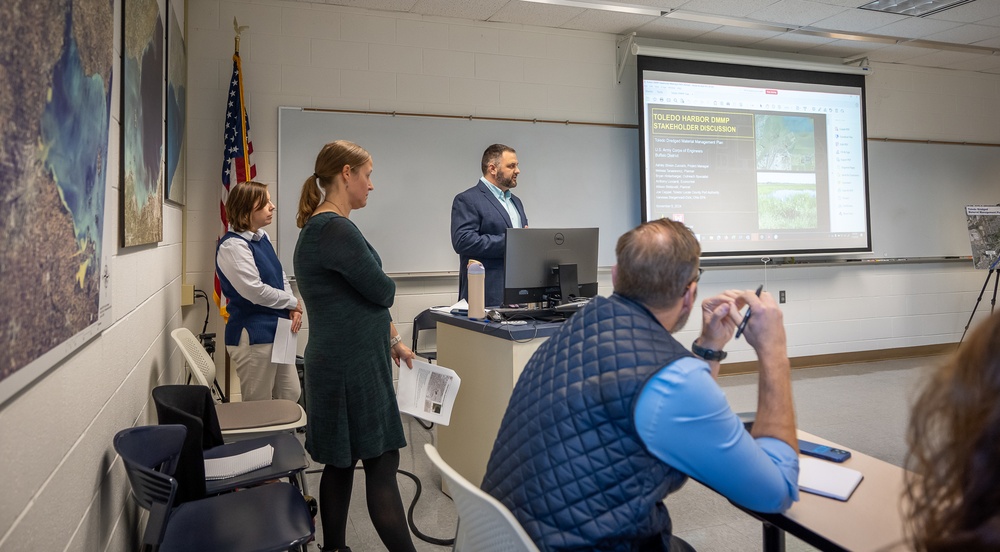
<point>916,8</point>
<point>622,8</point>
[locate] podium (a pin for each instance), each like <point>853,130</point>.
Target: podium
<point>489,357</point>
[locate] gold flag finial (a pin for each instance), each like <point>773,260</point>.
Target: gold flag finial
<point>238,29</point>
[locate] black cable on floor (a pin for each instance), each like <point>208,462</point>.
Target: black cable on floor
<point>409,512</point>
<point>409,515</point>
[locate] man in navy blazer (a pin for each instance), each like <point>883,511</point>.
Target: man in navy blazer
<point>480,217</point>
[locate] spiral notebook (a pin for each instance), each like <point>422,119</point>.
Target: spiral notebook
<point>827,479</point>
<point>238,464</point>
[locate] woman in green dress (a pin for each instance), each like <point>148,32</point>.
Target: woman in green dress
<point>348,378</point>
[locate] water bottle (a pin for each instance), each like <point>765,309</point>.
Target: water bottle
<point>477,290</point>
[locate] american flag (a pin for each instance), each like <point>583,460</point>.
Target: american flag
<point>236,165</point>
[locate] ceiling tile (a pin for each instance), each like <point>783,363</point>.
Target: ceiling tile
<point>845,3</point>
<point>480,10</point>
<point>731,8</point>
<point>668,4</point>
<point>991,22</point>
<point>382,5</point>
<point>915,27</point>
<point>792,42</point>
<point>795,12</point>
<point>529,13</point>
<point>607,22</point>
<point>846,49</point>
<point>858,21</point>
<point>735,36</point>
<point>966,34</point>
<point>665,28</point>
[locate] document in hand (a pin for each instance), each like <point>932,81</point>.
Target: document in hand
<point>239,464</point>
<point>283,348</point>
<point>827,479</point>
<point>427,391</point>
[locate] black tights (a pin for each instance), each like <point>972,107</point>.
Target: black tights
<point>385,507</point>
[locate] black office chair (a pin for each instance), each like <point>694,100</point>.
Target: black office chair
<point>271,517</point>
<point>193,407</point>
<point>423,322</point>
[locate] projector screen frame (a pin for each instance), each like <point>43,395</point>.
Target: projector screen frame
<point>772,76</point>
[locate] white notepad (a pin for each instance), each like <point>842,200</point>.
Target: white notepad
<point>827,479</point>
<point>239,464</point>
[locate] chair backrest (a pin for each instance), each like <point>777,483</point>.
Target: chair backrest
<point>193,407</point>
<point>423,321</point>
<point>200,365</point>
<point>484,523</point>
<point>150,454</point>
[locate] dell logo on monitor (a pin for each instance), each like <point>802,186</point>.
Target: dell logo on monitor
<point>559,238</point>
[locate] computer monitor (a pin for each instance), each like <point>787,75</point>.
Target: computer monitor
<point>554,265</point>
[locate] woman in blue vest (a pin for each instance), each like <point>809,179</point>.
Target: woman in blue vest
<point>259,294</point>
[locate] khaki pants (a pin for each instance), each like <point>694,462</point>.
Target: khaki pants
<point>261,379</point>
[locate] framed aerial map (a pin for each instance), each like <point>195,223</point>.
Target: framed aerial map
<point>55,115</point>
<point>142,165</point>
<point>176,106</point>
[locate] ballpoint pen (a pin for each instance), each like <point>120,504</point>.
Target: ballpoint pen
<point>746,317</point>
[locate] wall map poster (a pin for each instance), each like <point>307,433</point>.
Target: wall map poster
<point>176,107</point>
<point>55,105</point>
<point>142,123</point>
<point>984,234</point>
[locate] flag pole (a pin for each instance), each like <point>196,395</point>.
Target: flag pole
<point>248,170</point>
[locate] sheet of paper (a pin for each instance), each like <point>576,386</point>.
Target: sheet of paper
<point>239,464</point>
<point>427,391</point>
<point>284,348</point>
<point>827,479</point>
<point>460,308</point>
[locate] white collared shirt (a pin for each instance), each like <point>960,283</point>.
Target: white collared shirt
<point>237,265</point>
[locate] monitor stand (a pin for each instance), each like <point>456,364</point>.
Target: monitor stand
<point>569,285</point>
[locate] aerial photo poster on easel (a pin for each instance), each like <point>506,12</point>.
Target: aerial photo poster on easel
<point>984,233</point>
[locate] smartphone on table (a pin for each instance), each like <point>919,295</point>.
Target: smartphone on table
<point>823,451</point>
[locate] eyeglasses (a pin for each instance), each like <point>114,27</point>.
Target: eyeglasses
<point>698,276</point>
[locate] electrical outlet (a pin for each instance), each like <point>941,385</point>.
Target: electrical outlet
<point>781,296</point>
<point>187,294</point>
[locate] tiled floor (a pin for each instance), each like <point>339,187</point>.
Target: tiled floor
<point>862,406</point>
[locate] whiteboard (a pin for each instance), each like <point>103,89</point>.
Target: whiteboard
<point>571,176</point>
<point>918,194</point>
<point>587,176</point>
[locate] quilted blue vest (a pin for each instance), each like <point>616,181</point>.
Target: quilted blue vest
<point>567,460</point>
<point>260,322</point>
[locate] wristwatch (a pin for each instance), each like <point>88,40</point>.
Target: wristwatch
<point>707,354</point>
<point>396,339</point>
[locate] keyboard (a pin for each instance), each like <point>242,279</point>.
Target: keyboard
<point>523,313</point>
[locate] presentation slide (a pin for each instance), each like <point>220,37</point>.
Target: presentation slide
<point>756,167</point>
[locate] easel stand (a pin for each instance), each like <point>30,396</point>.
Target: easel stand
<point>995,273</point>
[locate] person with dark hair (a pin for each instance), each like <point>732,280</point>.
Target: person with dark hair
<point>259,294</point>
<point>953,482</point>
<point>480,217</point>
<point>352,344</point>
<point>612,414</point>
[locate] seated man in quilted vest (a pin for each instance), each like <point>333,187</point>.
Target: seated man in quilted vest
<point>612,414</point>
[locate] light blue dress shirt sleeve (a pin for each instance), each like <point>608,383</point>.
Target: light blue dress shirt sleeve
<point>683,418</point>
